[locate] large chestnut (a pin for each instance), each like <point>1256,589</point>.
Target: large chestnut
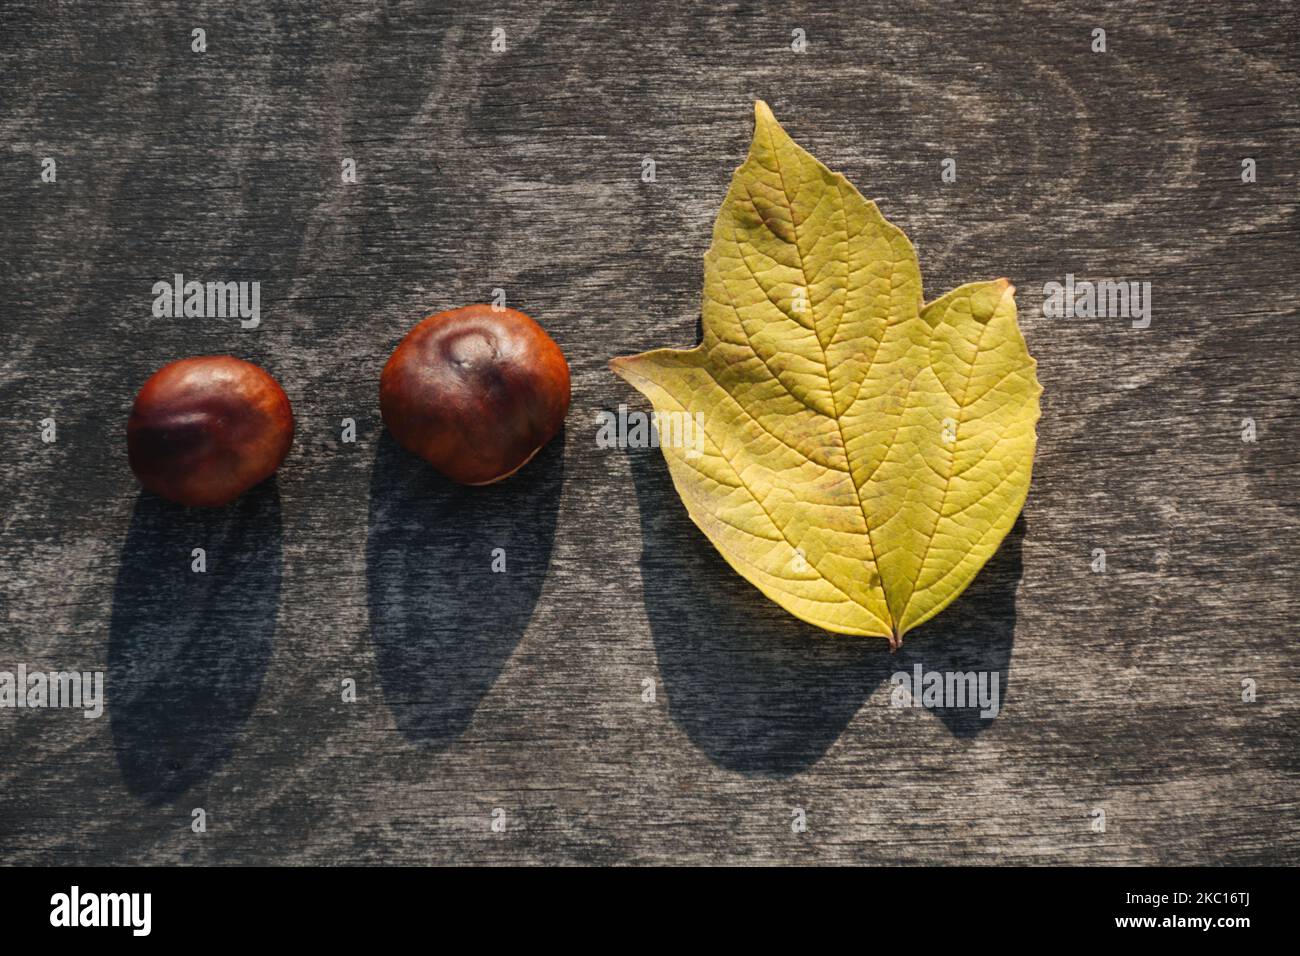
<point>476,392</point>
<point>205,430</point>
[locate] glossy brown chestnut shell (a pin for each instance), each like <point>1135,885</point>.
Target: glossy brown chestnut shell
<point>204,430</point>
<point>476,392</point>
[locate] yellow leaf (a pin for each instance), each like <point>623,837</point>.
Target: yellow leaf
<point>864,454</point>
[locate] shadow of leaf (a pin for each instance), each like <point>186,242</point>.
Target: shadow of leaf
<point>757,690</point>
<point>974,633</point>
<point>761,692</point>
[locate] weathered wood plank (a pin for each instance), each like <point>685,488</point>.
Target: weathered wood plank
<point>521,171</point>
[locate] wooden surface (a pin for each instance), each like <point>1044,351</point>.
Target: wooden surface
<point>1121,691</point>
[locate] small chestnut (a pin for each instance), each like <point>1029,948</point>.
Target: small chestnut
<point>204,430</point>
<point>476,392</point>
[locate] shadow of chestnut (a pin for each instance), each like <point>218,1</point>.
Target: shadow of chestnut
<point>187,650</point>
<point>453,573</point>
<point>759,691</point>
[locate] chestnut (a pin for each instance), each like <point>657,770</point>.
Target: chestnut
<point>476,392</point>
<point>204,430</point>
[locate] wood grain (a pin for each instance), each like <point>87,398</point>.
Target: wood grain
<point>523,691</point>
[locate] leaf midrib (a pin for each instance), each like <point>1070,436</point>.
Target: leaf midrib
<point>826,368</point>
